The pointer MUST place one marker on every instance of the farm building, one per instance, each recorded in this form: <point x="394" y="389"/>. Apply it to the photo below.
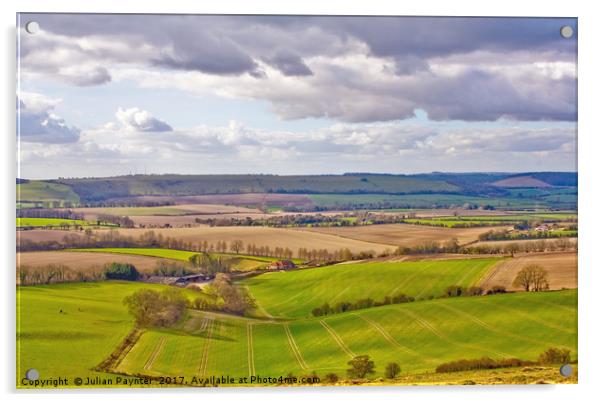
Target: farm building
<point x="180" y="280"/>
<point x="282" y="264"/>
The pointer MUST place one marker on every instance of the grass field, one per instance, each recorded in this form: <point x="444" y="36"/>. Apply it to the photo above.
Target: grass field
<point x="51" y="222"/>
<point x="296" y="293"/>
<point x="417" y="336"/>
<point x="44" y="193"/>
<point x="92" y="323"/>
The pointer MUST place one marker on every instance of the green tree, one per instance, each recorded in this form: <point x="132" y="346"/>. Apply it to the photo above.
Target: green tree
<point x="153" y="308"/>
<point x="361" y="366"/>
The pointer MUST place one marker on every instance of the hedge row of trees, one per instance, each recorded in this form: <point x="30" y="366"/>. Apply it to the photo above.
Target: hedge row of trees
<point x="561" y="244"/>
<point x="344" y="306"/>
<point x="493" y="235"/>
<point x="58" y="273"/>
<point x="549" y="356"/>
<point x="48" y="213"/>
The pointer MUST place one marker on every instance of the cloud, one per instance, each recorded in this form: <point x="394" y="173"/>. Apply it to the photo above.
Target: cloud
<point x="135" y="119"/>
<point x="353" y="69"/>
<point x="38" y="123"/>
<point x="289" y="63"/>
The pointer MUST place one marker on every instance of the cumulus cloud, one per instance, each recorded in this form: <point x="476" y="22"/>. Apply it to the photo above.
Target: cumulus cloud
<point x="135" y="119"/>
<point x="354" y="69"/>
<point x="37" y="122"/>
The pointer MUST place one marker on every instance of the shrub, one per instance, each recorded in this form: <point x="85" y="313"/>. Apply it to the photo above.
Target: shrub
<point x="361" y="366"/>
<point x="331" y="378"/>
<point x="392" y="370"/>
<point x="496" y="289"/>
<point x="454" y="291"/>
<point x="480" y="364"/>
<point x="118" y="270"/>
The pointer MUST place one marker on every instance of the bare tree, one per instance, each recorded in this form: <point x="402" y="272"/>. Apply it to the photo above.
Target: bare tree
<point x="532" y="278"/>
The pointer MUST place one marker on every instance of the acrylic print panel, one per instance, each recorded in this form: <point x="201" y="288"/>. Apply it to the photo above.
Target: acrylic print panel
<point x="208" y="200"/>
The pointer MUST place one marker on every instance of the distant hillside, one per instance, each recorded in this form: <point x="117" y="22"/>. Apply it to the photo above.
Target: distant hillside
<point x="521" y="182"/>
<point x="97" y="189"/>
<point x="551" y="189"/>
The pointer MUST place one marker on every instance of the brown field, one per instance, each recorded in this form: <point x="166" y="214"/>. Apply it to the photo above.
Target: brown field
<point x="81" y="260"/>
<point x="401" y="234"/>
<point x="561" y="267"/>
<point x="260" y="236"/>
<point x="38" y="235"/>
<point x="264" y="236"/>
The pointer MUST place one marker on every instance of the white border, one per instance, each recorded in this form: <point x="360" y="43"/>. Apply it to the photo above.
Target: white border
<point x="590" y="278"/>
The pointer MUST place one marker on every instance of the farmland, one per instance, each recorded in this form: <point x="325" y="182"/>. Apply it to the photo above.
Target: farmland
<point x="417" y="335"/>
<point x="295" y="294"/>
<point x="51" y="222"/>
<point x="79" y="260"/>
<point x="242" y="261"/>
<point x="39" y="193"/>
<point x="402" y="234"/>
<point x="67" y="329"/>
<point x="561" y="267"/>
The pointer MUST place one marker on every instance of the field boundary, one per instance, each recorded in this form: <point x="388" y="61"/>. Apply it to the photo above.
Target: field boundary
<point x="115" y="359"/>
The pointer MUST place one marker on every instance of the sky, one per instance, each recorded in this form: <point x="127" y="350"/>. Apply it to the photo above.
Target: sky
<point x="105" y="95"/>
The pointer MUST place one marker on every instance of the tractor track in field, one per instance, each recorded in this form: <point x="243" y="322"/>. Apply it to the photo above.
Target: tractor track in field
<point x="295" y="348"/>
<point x="490" y="328"/>
<point x="210" y="325"/>
<point x="428" y="326"/>
<point x="337" y="339"/>
<point x="393" y="341"/>
<point x="156" y="352"/>
<point x="250" y="357"/>
<point x="527" y="317"/>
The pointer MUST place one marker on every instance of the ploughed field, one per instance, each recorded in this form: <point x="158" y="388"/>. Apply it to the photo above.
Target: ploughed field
<point x="402" y="234"/>
<point x="418" y="336"/>
<point x="561" y="267"/>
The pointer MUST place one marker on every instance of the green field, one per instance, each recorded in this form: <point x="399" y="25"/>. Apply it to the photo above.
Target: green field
<point x="92" y="323"/>
<point x="296" y="293"/>
<point x="45" y="194"/>
<point x="51" y="222"/>
<point x="418" y="336"/>
<point x="491" y="220"/>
